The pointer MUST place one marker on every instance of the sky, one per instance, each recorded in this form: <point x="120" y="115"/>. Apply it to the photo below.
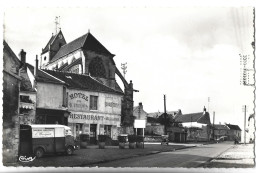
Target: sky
<point x="188" y="53"/>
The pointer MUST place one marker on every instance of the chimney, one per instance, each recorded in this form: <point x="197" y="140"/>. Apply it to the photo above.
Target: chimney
<point x="140" y="105"/>
<point x="22" y="56"/>
<point x="204" y="109"/>
<point x="36" y="66"/>
<point x="219" y="123"/>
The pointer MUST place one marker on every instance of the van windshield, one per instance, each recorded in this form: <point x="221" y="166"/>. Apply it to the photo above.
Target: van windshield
<point x="68" y="132"/>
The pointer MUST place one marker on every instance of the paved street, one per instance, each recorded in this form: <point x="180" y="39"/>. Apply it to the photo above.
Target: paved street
<point x="92" y="155"/>
<point x="188" y="158"/>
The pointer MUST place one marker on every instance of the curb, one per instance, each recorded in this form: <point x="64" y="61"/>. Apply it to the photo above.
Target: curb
<point x="133" y="156"/>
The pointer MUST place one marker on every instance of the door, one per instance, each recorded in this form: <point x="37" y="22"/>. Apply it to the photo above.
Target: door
<point x="25" y="140"/>
<point x="93" y="133"/>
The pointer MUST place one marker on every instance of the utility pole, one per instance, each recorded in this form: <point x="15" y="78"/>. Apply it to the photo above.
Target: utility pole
<point x="208" y="103"/>
<point x="213" y="125"/>
<point x="124" y="67"/>
<point x="165" y="114"/>
<point x="244" y="109"/>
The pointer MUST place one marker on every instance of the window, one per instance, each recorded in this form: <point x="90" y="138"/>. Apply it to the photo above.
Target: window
<point x="65" y="97"/>
<point x="107" y="130"/>
<point x="75" y="69"/>
<point x="45" y="58"/>
<point x="26" y="99"/>
<point x="93" y="103"/>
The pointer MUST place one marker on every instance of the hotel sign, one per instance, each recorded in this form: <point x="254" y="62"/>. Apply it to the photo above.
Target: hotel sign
<point x="78" y="100"/>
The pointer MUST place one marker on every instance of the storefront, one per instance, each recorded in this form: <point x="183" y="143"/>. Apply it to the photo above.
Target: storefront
<point x="94" y="114"/>
<point x="94" y="124"/>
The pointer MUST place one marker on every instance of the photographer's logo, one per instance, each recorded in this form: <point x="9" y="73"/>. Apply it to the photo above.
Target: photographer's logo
<point x="25" y="159"/>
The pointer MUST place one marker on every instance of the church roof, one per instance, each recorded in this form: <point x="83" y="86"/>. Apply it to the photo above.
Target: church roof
<point x="46" y="49"/>
<point x="88" y="41"/>
<point x="43" y="76"/>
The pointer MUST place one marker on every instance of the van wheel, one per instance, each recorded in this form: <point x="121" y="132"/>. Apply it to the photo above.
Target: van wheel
<point x="69" y="151"/>
<point x="39" y="152"/>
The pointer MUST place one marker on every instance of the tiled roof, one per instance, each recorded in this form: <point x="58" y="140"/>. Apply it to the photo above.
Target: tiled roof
<point x="87" y="41"/>
<point x="157" y="114"/>
<point x="152" y="120"/>
<point x="78" y="81"/>
<point x="220" y="127"/>
<point x="194" y="117"/>
<point x="8" y="48"/>
<point x="233" y="127"/>
<point x="43" y="76"/>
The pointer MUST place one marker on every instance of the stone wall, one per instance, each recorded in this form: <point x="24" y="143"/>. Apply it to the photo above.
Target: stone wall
<point x="10" y="119"/>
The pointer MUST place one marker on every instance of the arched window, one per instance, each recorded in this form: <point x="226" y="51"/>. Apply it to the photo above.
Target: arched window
<point x="96" y="68"/>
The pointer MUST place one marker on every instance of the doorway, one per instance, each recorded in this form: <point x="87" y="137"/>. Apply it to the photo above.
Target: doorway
<point x="93" y="134"/>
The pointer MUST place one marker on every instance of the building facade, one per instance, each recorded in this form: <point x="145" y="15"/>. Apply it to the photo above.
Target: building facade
<point x="11" y="87"/>
<point x="197" y="125"/>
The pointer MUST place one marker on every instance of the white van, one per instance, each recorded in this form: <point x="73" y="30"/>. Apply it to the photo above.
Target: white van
<point x="47" y="138"/>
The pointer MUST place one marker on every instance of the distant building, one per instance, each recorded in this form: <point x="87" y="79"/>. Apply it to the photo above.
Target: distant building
<point x="11" y="89"/>
<point x="234" y="132"/>
<point x="140" y="114"/>
<point x="197" y="125"/>
<point x="27" y="93"/>
<point x="220" y="132"/>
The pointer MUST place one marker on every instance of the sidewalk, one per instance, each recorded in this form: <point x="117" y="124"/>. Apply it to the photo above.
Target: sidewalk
<point x="93" y="155"/>
<point x="238" y="156"/>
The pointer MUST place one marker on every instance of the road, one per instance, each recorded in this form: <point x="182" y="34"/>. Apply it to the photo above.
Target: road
<point x="188" y="158"/>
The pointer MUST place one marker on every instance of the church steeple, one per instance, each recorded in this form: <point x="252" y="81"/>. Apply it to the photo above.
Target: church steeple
<point x="56" y="41"/>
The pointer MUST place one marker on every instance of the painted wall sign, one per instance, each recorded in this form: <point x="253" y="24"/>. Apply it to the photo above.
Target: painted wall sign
<point x="112" y="104"/>
<point x="78" y="95"/>
<point x="78" y="100"/>
<point x="94" y="118"/>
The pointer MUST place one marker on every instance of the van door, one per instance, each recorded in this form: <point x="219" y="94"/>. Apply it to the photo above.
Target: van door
<point x="44" y="138"/>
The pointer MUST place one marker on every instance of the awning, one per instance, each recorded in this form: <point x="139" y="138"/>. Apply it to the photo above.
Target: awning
<point x="26" y="105"/>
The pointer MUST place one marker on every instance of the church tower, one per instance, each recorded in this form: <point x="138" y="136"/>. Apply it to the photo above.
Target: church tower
<point x="51" y="49"/>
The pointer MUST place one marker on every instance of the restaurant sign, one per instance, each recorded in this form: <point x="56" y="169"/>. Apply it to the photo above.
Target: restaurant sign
<point x="94" y="118"/>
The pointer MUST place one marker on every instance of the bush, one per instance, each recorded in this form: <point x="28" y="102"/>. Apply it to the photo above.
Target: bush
<point x="102" y="138"/>
<point x="132" y="138"/>
<point x="122" y="139"/>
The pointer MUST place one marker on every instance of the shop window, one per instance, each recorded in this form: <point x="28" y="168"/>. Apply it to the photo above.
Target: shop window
<point x="93" y="103"/>
<point x="107" y="130"/>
